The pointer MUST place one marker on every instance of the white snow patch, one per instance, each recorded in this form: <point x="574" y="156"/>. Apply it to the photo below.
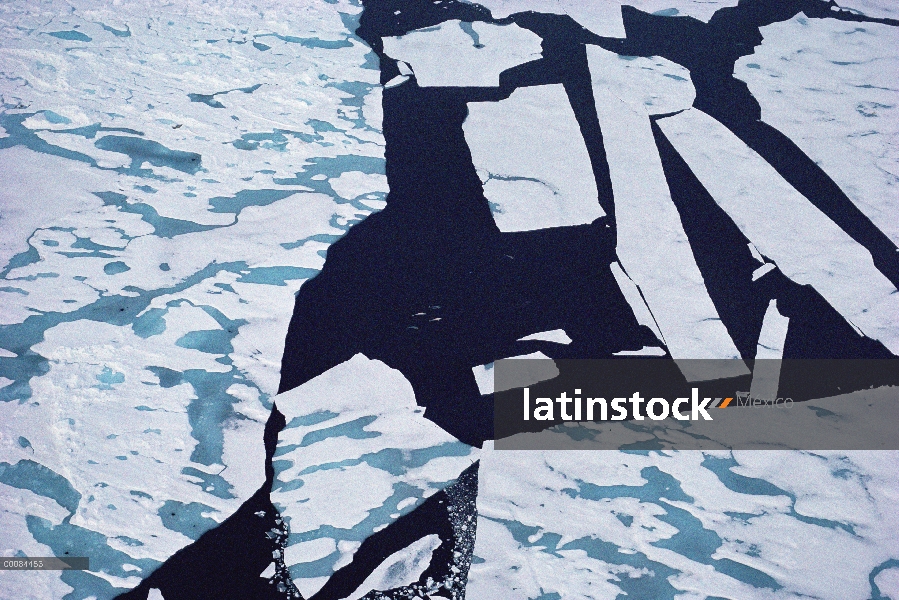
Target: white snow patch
<point x="653" y="84"/>
<point x="352" y="184"/>
<point x="30" y="199"/>
<point x="872" y="8"/>
<point x="888" y="583"/>
<point x="310" y="551"/>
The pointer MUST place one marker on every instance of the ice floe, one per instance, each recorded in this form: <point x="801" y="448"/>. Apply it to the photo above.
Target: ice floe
<point x="830" y="86"/>
<point x="448" y="55"/>
<point x="532" y="160"/>
<point x="401" y="568"/>
<point x="653" y="248"/>
<point x="682" y="523"/>
<point x="357" y="452"/>
<point x="807" y="246"/>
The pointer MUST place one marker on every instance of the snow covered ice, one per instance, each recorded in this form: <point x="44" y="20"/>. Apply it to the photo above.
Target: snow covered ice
<point x="172" y="176"/>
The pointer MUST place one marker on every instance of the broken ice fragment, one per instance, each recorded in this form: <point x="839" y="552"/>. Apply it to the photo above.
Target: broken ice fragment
<point x="444" y="55"/>
<point x="805" y="244"/>
<point x="531" y="148"/>
<point x="652" y="245"/>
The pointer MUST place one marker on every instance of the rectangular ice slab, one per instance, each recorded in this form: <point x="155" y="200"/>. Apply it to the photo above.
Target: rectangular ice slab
<point x="652" y="246"/>
<point x="808" y="247"/>
<point x="460" y="54"/>
<point x="766" y="373"/>
<point x="529" y="153"/>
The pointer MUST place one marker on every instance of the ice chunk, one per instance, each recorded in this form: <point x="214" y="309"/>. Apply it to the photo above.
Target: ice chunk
<point x="401" y="568"/>
<point x="653" y="84"/>
<point x="761" y="271"/>
<point x="396" y="81"/>
<point x="538" y="170"/>
<point x="269" y="571"/>
<point x="644" y="351"/>
<point x="766" y="371"/>
<point x="774" y="333"/>
<point x="653" y="248"/>
<point x="556" y="335"/>
<point x="446" y="55"/>
<point x="807" y="247"/>
<point x="698" y="9"/>
<point x="483" y="376"/>
<point x="523" y="373"/>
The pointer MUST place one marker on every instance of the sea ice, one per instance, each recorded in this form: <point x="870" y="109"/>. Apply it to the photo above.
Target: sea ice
<point x="141" y="288"/>
<point x="649" y="84"/>
<point x="653" y="248"/>
<point x="355" y="433"/>
<point x="352" y="184"/>
<point x="698" y="9"/>
<point x="401" y="568"/>
<point x="29" y="199"/>
<point x="766" y="370"/>
<point x="830" y="86"/>
<point x="807" y="246"/>
<point x="557" y="336"/>
<point x="682" y="523"/>
<point x="533" y="160"/>
<point x="446" y="55"/>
